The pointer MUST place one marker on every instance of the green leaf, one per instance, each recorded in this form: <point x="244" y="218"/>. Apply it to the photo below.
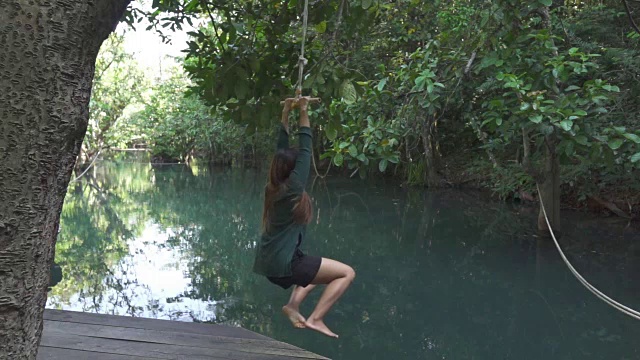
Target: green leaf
<point x="325" y="155"/>
<point x="537" y="119"/>
<point x="566" y="125"/>
<point x="366" y="4"/>
<point x="382" y="83"/>
<point x="338" y="159"/>
<point x="581" y="139"/>
<point x="348" y="92"/>
<point x="485" y="19"/>
<point x="241" y="90"/>
<point x="332" y="133"/>
<point x="254" y="63"/>
<point x="192" y="5"/>
<point x="496" y="103"/>
<point x="580" y="113"/>
<point x="353" y="150"/>
<point x="615" y="144"/>
<point x="569" y="149"/>
<point x="635" y="158"/>
<point x="382" y="166"/>
<point x="361" y="157"/>
<point x="633" y="137"/>
<point x="343" y="145"/>
<point x="611" y="88"/>
<point x="572" y="88"/>
<point x="498" y="121"/>
<point x="321" y="27"/>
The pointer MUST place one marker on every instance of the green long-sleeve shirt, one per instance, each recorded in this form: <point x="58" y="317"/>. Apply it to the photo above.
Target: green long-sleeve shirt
<point x="277" y="245"/>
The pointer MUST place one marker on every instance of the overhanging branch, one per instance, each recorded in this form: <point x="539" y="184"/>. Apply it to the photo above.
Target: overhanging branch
<point x="205" y="5"/>
<point x="631" y="21"/>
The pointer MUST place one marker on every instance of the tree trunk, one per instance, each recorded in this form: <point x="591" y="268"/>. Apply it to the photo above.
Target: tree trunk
<point x="47" y="61"/>
<point x="550" y="188"/>
<point x="429" y="153"/>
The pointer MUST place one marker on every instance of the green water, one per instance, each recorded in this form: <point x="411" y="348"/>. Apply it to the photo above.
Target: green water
<point x="440" y="275"/>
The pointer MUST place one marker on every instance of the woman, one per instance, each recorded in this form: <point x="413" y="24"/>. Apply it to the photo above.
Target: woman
<point x="287" y="211"/>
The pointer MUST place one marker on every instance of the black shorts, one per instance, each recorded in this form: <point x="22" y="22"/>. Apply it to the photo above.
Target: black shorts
<point x="303" y="270"/>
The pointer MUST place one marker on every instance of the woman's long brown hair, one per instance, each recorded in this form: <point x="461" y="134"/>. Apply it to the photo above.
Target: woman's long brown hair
<point x="281" y="167"/>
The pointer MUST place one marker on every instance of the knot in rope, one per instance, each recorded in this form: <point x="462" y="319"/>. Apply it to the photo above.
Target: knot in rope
<point x="302" y="61"/>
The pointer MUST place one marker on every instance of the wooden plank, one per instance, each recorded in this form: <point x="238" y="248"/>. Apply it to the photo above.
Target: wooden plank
<point x="49" y="353"/>
<point x="177" y="338"/>
<point x="153" y="350"/>
<point x="164" y="337"/>
<point x="152" y="324"/>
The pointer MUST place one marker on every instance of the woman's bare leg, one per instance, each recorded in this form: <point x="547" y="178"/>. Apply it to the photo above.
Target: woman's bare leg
<point x="292" y="309"/>
<point x="338" y="277"/>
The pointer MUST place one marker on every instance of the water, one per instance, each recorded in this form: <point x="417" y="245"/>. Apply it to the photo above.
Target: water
<point x="440" y="275"/>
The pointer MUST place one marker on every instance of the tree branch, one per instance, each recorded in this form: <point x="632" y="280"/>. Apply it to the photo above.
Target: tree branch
<point x="205" y="5"/>
<point x="339" y="21"/>
<point x="631" y="21"/>
<point x="116" y="55"/>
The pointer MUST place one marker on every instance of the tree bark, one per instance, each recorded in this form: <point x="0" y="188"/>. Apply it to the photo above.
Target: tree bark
<point x="550" y="187"/>
<point x="47" y="59"/>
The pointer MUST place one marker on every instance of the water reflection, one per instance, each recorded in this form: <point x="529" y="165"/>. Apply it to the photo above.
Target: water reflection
<point x="444" y="275"/>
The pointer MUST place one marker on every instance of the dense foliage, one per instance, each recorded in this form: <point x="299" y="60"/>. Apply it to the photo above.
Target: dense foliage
<point x="131" y="109"/>
<point x="177" y="127"/>
<point x="505" y="94"/>
<point x="118" y="85"/>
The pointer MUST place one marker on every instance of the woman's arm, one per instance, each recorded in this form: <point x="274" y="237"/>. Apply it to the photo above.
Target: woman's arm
<point x="300" y="174"/>
<point x="303" y="103"/>
<point x="283" y="132"/>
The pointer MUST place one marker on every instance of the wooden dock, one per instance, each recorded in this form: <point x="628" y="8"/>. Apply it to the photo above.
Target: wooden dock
<point x="73" y="335"/>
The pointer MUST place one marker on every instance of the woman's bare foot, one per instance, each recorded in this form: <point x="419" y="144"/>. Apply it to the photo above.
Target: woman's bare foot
<point x="318" y="325"/>
<point x="297" y="320"/>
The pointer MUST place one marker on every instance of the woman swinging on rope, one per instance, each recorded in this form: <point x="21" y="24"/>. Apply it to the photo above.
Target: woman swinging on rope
<point x="287" y="211"/>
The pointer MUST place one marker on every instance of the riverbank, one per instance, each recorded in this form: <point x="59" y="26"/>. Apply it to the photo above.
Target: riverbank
<point x="605" y="196"/>
<point x="582" y="189"/>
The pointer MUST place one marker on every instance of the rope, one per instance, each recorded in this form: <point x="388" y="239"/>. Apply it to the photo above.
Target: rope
<point x="315" y="167"/>
<point x="88" y="167"/>
<point x="622" y="308"/>
<point x="301" y="60"/>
